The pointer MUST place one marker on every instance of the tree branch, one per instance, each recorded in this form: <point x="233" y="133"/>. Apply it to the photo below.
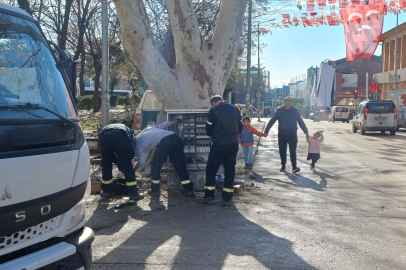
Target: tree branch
<point x="226" y="39"/>
<point x="185" y="28"/>
<point x="137" y="42"/>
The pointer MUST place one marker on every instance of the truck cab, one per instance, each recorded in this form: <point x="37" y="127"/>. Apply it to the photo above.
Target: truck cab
<point x="44" y="157"/>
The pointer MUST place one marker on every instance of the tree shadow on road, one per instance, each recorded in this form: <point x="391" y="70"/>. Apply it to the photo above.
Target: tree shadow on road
<point x="197" y="236"/>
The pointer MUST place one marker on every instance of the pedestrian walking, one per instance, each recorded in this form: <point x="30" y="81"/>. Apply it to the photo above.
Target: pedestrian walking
<point x="247" y="141"/>
<point x="314" y="148"/>
<point x="244" y="111"/>
<point x="224" y="126"/>
<point x="288" y="117"/>
<point x="239" y="108"/>
<point x="117" y="146"/>
<point x="166" y="143"/>
<point x="252" y="111"/>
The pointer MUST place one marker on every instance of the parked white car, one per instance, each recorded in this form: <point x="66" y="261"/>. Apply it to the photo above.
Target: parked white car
<point x="375" y="116"/>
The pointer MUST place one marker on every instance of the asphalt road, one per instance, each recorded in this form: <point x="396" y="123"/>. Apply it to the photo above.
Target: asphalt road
<point x="349" y="215"/>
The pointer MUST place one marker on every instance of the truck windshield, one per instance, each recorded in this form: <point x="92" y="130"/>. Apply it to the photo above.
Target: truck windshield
<point x="380" y="108"/>
<point x="29" y="74"/>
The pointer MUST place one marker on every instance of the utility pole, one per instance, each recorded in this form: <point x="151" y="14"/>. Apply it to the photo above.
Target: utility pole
<point x="248" y="96"/>
<point x="259" y="80"/>
<point x="367" y="78"/>
<point x="105" y="65"/>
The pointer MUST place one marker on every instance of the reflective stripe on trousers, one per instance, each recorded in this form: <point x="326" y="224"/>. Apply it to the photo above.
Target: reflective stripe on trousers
<point x="157" y="182"/>
<point x="130" y="184"/>
<point x="106" y="182"/>
<point x="210" y="187"/>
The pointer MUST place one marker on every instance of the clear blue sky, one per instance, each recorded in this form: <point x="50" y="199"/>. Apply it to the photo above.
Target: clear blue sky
<point x="290" y="52"/>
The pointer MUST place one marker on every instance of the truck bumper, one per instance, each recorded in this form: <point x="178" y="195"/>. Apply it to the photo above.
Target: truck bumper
<point x="74" y="252"/>
<point x="380" y="128"/>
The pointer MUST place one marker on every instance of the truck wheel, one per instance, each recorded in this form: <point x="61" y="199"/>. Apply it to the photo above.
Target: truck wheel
<point x="362" y="131"/>
<point x="393" y="132"/>
<point x="343" y="121"/>
<point x="383" y="131"/>
<point x="354" y="129"/>
<point x="397" y="128"/>
<point x="348" y="121"/>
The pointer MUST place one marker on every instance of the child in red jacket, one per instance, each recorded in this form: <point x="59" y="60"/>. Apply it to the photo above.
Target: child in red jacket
<point x="247" y="141"/>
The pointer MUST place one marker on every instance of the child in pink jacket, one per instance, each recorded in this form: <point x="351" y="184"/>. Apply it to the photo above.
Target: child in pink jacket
<point x="314" y="148"/>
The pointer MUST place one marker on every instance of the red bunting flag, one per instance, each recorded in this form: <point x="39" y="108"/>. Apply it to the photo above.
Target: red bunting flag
<point x="355" y="2"/>
<point x="286" y="26"/>
<point x="313" y="13"/>
<point x="363" y="30"/>
<point x="263" y="30"/>
<point x="343" y="3"/>
<point x="286" y="16"/>
<point x="402" y="4"/>
<point x="331" y="2"/>
<point x="321" y="4"/>
<point x="331" y="21"/>
<point x="310" y="5"/>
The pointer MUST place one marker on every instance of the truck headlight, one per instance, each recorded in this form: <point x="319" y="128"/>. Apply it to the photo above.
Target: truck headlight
<point x="78" y="213"/>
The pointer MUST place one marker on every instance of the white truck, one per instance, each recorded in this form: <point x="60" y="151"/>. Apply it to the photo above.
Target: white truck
<point x="399" y="98"/>
<point x="44" y="157"/>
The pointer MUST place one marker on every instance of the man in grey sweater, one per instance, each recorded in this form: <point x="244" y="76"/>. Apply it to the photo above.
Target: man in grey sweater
<point x="288" y="117"/>
<point x="166" y="143"/>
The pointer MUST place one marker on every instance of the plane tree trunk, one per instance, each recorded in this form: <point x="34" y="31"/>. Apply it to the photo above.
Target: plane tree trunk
<point x="202" y="67"/>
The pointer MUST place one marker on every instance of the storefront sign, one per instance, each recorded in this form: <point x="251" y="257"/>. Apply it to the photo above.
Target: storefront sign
<point x="392" y="77"/>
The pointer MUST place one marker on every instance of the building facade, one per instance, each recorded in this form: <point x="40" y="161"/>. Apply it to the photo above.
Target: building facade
<point x="386" y="77"/>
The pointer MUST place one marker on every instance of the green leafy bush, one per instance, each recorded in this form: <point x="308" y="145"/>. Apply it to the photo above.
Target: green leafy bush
<point x="126" y="118"/>
<point x="124" y="100"/>
<point x="85" y="102"/>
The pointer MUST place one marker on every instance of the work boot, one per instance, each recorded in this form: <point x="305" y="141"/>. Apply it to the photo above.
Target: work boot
<point x="105" y="195"/>
<point x="136" y="196"/>
<point x="209" y="201"/>
<point x="282" y="169"/>
<point x="187" y="191"/>
<point x="226" y="203"/>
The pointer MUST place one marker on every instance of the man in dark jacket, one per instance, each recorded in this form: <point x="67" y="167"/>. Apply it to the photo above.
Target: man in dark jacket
<point x="288" y="118"/>
<point x="117" y="146"/>
<point x="224" y="126"/>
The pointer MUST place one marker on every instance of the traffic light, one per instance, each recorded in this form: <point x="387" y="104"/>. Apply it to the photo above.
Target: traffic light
<point x="355" y="93"/>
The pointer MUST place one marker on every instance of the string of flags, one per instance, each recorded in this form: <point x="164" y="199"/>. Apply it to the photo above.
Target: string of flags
<point x="332" y="17"/>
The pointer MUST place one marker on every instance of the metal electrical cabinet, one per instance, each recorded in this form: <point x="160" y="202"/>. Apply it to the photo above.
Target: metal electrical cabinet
<point x="196" y="146"/>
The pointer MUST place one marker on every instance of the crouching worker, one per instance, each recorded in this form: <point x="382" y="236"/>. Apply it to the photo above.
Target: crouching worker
<point x="166" y="143"/>
<point x="117" y="146"/>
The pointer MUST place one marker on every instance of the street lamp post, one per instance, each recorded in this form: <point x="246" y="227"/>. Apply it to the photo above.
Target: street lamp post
<point x="105" y="65"/>
<point x="249" y="47"/>
<point x="259" y="80"/>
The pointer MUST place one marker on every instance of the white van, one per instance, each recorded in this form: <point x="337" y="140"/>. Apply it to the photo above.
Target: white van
<point x="339" y="113"/>
<point x="375" y="116"/>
